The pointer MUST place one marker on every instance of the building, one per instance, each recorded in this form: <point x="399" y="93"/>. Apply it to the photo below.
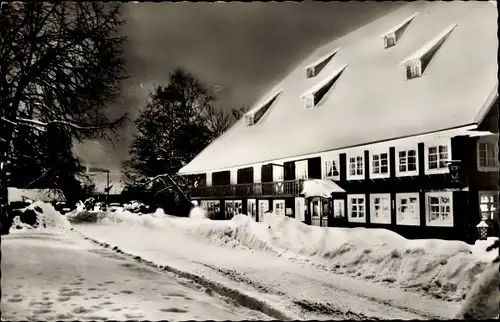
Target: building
<point x="399" y="118"/>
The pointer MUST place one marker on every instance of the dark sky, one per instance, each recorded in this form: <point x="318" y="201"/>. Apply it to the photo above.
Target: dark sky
<point x="242" y="47"/>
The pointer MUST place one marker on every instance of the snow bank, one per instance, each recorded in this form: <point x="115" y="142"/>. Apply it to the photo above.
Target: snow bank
<point x="198" y="213"/>
<point x="46" y="217"/>
<point x="442" y="268"/>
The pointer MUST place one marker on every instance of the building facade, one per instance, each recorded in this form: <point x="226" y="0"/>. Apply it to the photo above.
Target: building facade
<point x="401" y="115"/>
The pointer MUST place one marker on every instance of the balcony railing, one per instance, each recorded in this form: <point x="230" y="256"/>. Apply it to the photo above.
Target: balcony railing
<point x="289" y="188"/>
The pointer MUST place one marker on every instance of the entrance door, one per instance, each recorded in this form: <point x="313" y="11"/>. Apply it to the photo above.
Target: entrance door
<point x="315" y="211"/>
<point x="252" y="208"/>
<point x="279" y="207"/>
<point x="263" y="208"/>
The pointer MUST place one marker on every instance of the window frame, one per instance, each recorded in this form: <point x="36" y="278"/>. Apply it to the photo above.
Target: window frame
<point x="387" y="218"/>
<point x="350" y="217"/>
<point x="280" y="202"/>
<point x="387" y="44"/>
<point x="491" y="212"/>
<point x="437" y="144"/>
<point x="413" y="68"/>
<point x="397" y="158"/>
<point x="309" y="101"/>
<point x="407" y="222"/>
<point x="334" y="161"/>
<point x="301" y="164"/>
<point x="439" y="223"/>
<point x="489" y="139"/>
<point x="372" y="165"/>
<point x="356" y="157"/>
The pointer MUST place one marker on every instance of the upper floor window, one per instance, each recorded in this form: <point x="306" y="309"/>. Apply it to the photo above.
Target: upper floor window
<point x="390" y="41"/>
<point x="356" y="166"/>
<point x="487" y="153"/>
<point x="437" y="157"/>
<point x="413" y="69"/>
<point x="488" y="205"/>
<point x="331" y="169"/>
<point x="380" y="164"/>
<point x="439" y="209"/>
<point x="301" y="170"/>
<point x="407" y="162"/>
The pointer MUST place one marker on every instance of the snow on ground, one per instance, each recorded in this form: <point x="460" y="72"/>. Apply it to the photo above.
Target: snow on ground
<point x="326" y="272"/>
<point x="57" y="275"/>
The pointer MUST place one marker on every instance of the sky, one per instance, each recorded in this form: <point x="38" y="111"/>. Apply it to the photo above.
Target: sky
<point x="241" y="49"/>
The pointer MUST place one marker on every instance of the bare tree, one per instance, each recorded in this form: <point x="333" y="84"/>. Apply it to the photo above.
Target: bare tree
<point x="60" y="64"/>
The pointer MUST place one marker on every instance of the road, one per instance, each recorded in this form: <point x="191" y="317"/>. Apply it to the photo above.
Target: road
<point x="280" y="287"/>
<point x="52" y="276"/>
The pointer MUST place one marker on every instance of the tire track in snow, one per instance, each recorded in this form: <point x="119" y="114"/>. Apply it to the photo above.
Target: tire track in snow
<point x="238" y="296"/>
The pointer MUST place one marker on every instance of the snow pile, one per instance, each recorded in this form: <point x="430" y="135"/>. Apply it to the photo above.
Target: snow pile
<point x="45" y="217"/>
<point x="198" y="213"/>
<point x="445" y="269"/>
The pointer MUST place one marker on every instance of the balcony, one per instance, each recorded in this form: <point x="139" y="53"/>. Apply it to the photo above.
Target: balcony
<point x="289" y="188"/>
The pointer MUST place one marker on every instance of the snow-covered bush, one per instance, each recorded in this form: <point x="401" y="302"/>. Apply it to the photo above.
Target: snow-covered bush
<point x="39" y="215"/>
<point x="198" y="213"/>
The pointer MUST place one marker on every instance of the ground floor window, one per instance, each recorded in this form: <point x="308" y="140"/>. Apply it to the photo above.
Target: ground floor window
<point x="252" y="208"/>
<point x="211" y="206"/>
<point x="356" y="208"/>
<point x="263" y="208"/>
<point x="233" y="207"/>
<point x="338" y="208"/>
<point x="380" y="211"/>
<point x="439" y="209"/>
<point x="488" y="205"/>
<point x="408" y="209"/>
<point x="279" y="207"/>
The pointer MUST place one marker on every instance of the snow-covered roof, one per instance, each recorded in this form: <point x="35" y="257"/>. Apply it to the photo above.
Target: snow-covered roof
<point x="322" y="58"/>
<point x="46" y="195"/>
<point x="373" y="101"/>
<point x="399" y="25"/>
<point x="324" y="81"/>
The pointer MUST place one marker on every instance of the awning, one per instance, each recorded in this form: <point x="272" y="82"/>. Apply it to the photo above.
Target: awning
<point x="320" y="188"/>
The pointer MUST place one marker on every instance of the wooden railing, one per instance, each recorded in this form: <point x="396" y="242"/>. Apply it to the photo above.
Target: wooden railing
<point x="289" y="188"/>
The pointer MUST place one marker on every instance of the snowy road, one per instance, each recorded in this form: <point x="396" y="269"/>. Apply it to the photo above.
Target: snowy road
<point x="292" y="289"/>
<point x="57" y="276"/>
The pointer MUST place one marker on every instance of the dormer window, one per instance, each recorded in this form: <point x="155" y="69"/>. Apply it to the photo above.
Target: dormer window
<point x="413" y="69"/>
<point x="391" y="37"/>
<point x="315" y="68"/>
<point x="255" y="114"/>
<point x="313" y="96"/>
<point x="416" y="64"/>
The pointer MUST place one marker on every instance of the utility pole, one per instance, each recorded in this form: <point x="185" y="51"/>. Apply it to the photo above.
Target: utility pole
<point x="107" y="190"/>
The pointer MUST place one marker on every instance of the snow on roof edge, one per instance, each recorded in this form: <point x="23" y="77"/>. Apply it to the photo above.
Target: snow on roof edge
<point x="322" y="58"/>
<point x="430" y="44"/>
<point x="264" y="102"/>
<point x="399" y="25"/>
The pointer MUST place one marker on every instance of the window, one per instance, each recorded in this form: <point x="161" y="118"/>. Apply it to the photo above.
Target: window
<point x="233" y="207"/>
<point x="300" y="208"/>
<point x="310" y="72"/>
<point x="338" y="208"/>
<point x="413" y="70"/>
<point x="488" y="205"/>
<point x="380" y="164"/>
<point x="356" y="208"/>
<point x="309" y="101"/>
<point x="278" y="172"/>
<point x="408" y="209"/>
<point x="407" y="161"/>
<point x="439" y="209"/>
<point x="254" y="115"/>
<point x="263" y="208"/>
<point x="390" y="41"/>
<point x="252" y="208"/>
<point x="487" y="153"/>
<point x="313" y="96"/>
<point x="279" y="207"/>
<point x="356" y="166"/>
<point x="212" y="207"/>
<point x="301" y="170"/>
<point x="331" y="169"/>
<point x="380" y="212"/>
<point x="437" y="157"/>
